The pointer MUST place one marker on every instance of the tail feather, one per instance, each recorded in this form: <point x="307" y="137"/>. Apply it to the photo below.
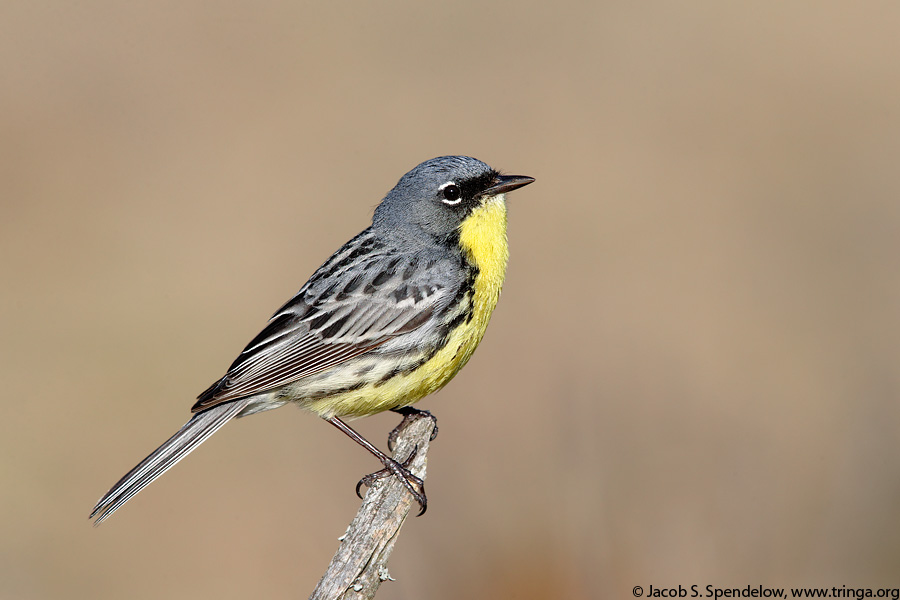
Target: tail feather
<point x="192" y="434"/>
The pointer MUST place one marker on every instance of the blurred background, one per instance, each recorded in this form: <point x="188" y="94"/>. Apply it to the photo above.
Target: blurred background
<point x="692" y="376"/>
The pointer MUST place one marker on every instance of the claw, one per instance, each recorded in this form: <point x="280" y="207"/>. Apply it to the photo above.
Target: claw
<point x="413" y="484"/>
<point x="409" y="415"/>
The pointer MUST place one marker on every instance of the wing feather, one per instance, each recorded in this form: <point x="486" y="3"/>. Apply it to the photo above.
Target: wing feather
<point x="330" y="322"/>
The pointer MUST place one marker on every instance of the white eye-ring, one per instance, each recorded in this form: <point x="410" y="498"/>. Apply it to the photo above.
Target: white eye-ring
<point x="451" y="194"/>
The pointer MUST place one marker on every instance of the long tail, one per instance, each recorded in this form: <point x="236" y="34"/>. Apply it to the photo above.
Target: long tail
<point x="201" y="426"/>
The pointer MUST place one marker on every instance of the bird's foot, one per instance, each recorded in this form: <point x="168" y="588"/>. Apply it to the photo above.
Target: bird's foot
<point x="410" y="414"/>
<point x="413" y="484"/>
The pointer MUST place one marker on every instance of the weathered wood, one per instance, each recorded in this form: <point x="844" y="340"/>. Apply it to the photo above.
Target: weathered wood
<point x="360" y="564"/>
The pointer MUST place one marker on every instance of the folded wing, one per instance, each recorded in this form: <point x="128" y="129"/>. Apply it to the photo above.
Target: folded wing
<point x="335" y="317"/>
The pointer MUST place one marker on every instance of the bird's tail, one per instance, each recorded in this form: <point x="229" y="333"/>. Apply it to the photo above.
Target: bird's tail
<point x="201" y="426"/>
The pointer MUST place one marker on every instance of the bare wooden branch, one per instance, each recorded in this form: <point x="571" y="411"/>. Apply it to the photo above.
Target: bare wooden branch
<point x="360" y="564"/>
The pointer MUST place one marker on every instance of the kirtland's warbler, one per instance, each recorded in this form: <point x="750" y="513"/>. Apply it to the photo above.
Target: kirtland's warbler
<point x="391" y="317"/>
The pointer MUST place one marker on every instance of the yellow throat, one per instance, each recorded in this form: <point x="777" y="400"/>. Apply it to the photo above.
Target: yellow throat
<point x="483" y="237"/>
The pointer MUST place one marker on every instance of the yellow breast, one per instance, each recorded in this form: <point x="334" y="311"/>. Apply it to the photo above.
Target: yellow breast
<point x="483" y="239"/>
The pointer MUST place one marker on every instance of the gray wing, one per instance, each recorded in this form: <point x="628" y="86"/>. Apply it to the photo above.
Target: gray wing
<point x="343" y="311"/>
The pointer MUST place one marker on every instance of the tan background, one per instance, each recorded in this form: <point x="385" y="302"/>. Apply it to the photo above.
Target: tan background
<point x="694" y="363"/>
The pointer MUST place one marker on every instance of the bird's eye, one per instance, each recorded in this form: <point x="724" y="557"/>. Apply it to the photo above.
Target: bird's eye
<point x="451" y="193"/>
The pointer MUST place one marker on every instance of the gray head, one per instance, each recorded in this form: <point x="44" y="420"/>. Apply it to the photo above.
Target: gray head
<point x="436" y="196"/>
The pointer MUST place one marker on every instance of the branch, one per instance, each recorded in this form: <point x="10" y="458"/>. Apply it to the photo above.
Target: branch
<point x="360" y="564"/>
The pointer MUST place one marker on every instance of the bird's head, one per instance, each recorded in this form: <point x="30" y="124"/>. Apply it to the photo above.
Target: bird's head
<point x="437" y="196"/>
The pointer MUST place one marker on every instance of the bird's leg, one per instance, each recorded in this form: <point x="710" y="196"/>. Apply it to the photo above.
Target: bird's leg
<point x="409" y="415"/>
<point x="413" y="484"/>
<point x="401" y="470"/>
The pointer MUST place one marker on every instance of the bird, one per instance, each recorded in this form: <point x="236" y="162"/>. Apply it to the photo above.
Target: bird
<point x="389" y="318"/>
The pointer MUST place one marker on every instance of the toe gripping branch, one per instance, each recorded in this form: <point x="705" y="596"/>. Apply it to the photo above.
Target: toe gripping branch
<point x="414" y="484"/>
